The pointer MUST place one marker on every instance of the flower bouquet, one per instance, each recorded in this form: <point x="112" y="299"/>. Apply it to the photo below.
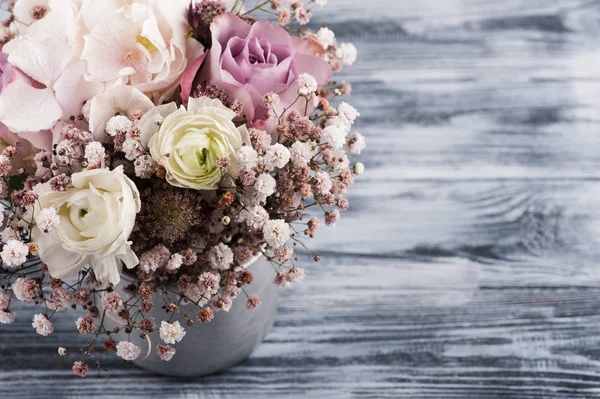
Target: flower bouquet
<point x="153" y="150"/>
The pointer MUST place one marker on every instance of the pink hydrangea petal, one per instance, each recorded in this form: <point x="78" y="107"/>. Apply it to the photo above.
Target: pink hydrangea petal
<point x="41" y="140"/>
<point x="42" y="60"/>
<point x="72" y="90"/>
<point x="26" y="152"/>
<point x="107" y="46"/>
<point x="24" y="108"/>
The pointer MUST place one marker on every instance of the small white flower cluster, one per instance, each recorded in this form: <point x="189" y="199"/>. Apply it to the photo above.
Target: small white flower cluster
<point x="95" y="154"/>
<point x="277" y="156"/>
<point x="128" y="351"/>
<point x="119" y="124"/>
<point x="307" y="85"/>
<point x="42" y="325"/>
<point x="277" y="233"/>
<point x="48" y="220"/>
<point x="171" y="333"/>
<point x="14" y="253"/>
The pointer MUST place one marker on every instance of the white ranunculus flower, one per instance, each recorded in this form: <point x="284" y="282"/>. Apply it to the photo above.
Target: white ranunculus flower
<point x="97" y="216"/>
<point x="189" y="143"/>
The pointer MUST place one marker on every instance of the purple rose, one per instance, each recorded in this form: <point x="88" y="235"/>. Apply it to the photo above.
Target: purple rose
<point x="249" y="61"/>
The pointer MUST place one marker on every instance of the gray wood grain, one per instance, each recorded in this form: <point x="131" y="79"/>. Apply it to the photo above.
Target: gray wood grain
<point x="467" y="266"/>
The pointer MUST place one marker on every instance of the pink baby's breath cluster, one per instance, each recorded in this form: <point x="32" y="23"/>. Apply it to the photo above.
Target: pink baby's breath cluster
<point x="178" y="171"/>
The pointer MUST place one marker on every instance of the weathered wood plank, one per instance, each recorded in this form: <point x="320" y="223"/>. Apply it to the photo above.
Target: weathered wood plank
<point x="420" y="321"/>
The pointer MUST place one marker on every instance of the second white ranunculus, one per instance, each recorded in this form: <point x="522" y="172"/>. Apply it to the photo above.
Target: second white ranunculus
<point x="190" y="143"/>
<point x="96" y="217"/>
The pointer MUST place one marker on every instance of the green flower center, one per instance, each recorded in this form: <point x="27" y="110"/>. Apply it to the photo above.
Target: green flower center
<point x="202" y="155"/>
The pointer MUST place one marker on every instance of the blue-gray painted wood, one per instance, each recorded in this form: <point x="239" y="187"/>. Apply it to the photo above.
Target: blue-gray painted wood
<point x="469" y="263"/>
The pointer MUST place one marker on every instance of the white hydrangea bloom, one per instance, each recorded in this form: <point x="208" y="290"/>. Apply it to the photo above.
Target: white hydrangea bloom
<point x="307" y="84"/>
<point x="277" y="156"/>
<point x="48" y="220"/>
<point x="14" y="253"/>
<point x="171" y="333"/>
<point x="119" y="124"/>
<point x="276" y="232"/>
<point x="128" y="351"/>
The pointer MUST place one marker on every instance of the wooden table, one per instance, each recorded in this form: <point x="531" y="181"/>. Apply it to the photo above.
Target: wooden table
<point x="468" y="266"/>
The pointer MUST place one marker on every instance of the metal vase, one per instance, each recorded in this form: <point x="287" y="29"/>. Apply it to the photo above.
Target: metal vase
<point x="227" y="340"/>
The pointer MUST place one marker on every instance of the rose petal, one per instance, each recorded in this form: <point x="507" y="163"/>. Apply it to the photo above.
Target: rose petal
<point x="187" y="80"/>
<point x="271" y="32"/>
<point x="229" y="25"/>
<point x="320" y="69"/>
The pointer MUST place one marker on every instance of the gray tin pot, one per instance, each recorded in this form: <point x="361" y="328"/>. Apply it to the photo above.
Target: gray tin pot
<point x="212" y="347"/>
